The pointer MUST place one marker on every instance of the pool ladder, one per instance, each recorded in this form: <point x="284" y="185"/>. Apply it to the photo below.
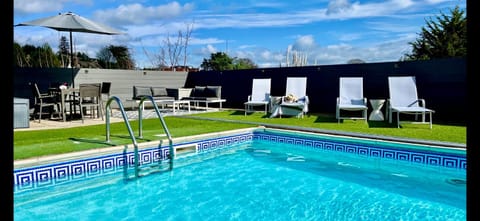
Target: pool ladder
<point x="140" y="125"/>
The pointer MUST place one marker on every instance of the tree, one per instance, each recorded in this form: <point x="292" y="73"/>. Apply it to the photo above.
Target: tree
<point x="355" y="61"/>
<point x="186" y="40"/>
<point x="115" y="57"/>
<point x="122" y="56"/>
<point x="64" y="50"/>
<point x="82" y="56"/>
<point x="219" y="61"/>
<point x="31" y="56"/>
<point x="243" y="63"/>
<point x="105" y="57"/>
<point x="47" y="57"/>
<point x="444" y="38"/>
<point x="172" y="49"/>
<point x="18" y="55"/>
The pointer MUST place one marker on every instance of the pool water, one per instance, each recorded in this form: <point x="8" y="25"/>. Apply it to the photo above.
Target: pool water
<point x="260" y="180"/>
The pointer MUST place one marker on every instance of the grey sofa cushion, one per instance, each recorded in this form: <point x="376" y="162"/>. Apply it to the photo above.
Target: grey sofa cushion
<point x="159" y="91"/>
<point x="205" y="93"/>
<point x="139" y="91"/>
<point x="213" y="91"/>
<point x="198" y="91"/>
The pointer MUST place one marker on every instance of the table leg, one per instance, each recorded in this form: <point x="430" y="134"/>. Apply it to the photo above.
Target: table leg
<point x="63" y="107"/>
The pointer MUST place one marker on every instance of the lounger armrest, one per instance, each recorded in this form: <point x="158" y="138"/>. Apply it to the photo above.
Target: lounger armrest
<point x="307" y="100"/>
<point x="421" y="102"/>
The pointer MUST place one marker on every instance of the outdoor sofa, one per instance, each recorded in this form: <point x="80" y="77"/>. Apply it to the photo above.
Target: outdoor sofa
<point x="159" y="94"/>
<point x="205" y="95"/>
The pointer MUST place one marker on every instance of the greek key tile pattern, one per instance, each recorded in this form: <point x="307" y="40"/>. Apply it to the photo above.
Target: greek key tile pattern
<point x="450" y="160"/>
<point x="217" y="143"/>
<point x="45" y="175"/>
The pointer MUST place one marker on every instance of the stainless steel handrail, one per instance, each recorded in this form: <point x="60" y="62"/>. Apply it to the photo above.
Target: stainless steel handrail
<point x="127" y="123"/>
<point x="130" y="131"/>
<point x="162" y="121"/>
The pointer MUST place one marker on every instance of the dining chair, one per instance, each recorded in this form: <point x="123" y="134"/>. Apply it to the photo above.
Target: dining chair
<point x="105" y="95"/>
<point x="90" y="98"/>
<point x="44" y="101"/>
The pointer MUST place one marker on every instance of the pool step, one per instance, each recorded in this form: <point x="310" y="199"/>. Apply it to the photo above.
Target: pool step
<point x="154" y="168"/>
<point x="185" y="150"/>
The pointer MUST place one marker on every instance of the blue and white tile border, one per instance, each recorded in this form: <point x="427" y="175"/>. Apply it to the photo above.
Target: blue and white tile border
<point x="455" y="159"/>
<point x="57" y="173"/>
<point x="63" y="172"/>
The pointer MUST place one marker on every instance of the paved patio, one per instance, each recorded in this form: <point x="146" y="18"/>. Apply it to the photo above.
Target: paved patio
<point x="115" y="117"/>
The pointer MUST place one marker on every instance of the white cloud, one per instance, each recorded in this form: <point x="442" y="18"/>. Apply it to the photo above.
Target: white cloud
<point x="304" y="43"/>
<point x="392" y="27"/>
<point x="349" y="36"/>
<point x="436" y="1"/>
<point x="140" y="14"/>
<point x="202" y="41"/>
<point x="146" y="23"/>
<point x="36" y="6"/>
<point x="342" y="9"/>
<point x="25" y="7"/>
<point x="266" y="55"/>
<point x="246" y="46"/>
<point x="391" y="50"/>
<point x="338" y="6"/>
<point x="209" y="49"/>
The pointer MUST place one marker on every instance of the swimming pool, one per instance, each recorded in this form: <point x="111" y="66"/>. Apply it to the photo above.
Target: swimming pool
<point x="257" y="175"/>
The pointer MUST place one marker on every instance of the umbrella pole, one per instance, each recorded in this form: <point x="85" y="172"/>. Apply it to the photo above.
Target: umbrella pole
<point x="71" y="60"/>
<point x="73" y="74"/>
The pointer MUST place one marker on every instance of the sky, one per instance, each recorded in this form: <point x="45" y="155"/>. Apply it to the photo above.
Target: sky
<point x="268" y="32"/>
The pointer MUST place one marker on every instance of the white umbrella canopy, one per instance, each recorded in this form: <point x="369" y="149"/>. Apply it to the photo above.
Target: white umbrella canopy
<point x="71" y="22"/>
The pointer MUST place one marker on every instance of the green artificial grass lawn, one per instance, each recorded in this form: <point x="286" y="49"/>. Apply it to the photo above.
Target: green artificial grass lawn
<point x="439" y="132"/>
<point x="29" y="144"/>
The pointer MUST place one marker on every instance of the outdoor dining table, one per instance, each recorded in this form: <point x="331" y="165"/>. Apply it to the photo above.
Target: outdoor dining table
<point x="68" y="95"/>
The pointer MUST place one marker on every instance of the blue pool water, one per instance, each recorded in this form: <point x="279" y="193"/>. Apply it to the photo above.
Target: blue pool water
<point x="260" y="180"/>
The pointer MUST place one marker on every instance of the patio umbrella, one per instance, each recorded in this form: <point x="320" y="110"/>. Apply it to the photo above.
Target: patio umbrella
<point x="71" y="22"/>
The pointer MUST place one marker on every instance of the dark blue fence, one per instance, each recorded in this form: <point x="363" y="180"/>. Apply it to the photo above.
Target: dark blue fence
<point x="441" y="82"/>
